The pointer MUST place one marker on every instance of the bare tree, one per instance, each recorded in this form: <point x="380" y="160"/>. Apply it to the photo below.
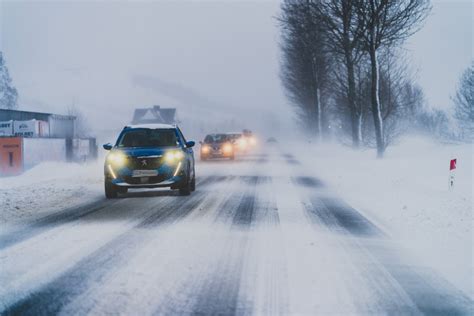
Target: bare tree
<point x="305" y="64"/>
<point x="386" y="23"/>
<point x="434" y="122"/>
<point x="464" y="104"/>
<point x="8" y="93"/>
<point x="344" y="31"/>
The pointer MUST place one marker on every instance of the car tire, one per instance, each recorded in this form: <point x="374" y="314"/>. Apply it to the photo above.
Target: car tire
<point x="193" y="184"/>
<point x="232" y="157"/>
<point x="185" y="189"/>
<point x="111" y="191"/>
<point x="203" y="158"/>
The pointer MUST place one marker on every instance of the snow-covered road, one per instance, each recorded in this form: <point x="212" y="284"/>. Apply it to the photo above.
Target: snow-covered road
<point x="259" y="236"/>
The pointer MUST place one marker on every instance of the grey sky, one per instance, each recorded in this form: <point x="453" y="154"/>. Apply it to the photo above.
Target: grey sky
<point x="222" y="54"/>
<point x="443" y="49"/>
<point x="90" y="52"/>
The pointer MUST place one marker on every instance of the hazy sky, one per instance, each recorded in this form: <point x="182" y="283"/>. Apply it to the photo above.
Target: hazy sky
<point x="110" y="57"/>
<point x="443" y="49"/>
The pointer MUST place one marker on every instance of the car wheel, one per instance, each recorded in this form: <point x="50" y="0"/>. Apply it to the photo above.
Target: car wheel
<point x="111" y="191"/>
<point x="203" y="158"/>
<point x="193" y="184"/>
<point x="185" y="189"/>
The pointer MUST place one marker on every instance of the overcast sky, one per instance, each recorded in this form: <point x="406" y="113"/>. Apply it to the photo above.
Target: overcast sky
<point x="110" y="57"/>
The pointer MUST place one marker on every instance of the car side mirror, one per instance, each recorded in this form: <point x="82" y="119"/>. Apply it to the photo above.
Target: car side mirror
<point x="190" y="144"/>
<point x="107" y="146"/>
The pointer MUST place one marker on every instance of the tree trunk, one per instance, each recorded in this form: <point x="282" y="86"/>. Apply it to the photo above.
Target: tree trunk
<point x="359" y="127"/>
<point x="351" y="96"/>
<point x="317" y="105"/>
<point x="319" y="114"/>
<point x="375" y="100"/>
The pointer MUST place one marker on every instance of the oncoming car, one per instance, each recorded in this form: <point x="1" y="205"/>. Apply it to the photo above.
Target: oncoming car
<point x="149" y="156"/>
<point x="238" y="141"/>
<point x="250" y="138"/>
<point x="217" y="146"/>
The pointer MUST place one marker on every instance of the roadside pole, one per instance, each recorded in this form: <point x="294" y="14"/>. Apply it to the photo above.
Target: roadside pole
<point x="452" y="172"/>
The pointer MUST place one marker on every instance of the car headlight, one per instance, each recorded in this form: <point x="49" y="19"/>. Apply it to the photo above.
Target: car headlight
<point x="205" y="149"/>
<point x="227" y="148"/>
<point x="253" y="141"/>
<point x="117" y="159"/>
<point x="242" y="143"/>
<point x="173" y="156"/>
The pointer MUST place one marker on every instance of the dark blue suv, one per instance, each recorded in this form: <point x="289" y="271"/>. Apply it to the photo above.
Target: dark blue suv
<point x="149" y="156"/>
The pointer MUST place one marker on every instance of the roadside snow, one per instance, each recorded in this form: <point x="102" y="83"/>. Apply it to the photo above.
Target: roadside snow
<point x="407" y="193"/>
<point x="46" y="188"/>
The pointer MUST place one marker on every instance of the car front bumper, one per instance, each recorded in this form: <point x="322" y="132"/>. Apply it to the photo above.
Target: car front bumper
<point x="217" y="154"/>
<point x="164" y="184"/>
<point x="166" y="176"/>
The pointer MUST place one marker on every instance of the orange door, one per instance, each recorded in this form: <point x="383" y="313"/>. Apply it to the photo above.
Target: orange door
<point x="11" y="156"/>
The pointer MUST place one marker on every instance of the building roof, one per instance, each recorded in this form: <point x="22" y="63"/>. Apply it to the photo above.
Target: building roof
<point x="155" y="114"/>
<point x="6" y="115"/>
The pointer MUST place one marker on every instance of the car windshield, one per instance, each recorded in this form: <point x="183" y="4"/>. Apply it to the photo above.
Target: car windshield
<point x="216" y="138"/>
<point x="148" y="138"/>
<point x="234" y="136"/>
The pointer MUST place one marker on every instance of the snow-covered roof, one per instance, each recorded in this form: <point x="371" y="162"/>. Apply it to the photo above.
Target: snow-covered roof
<point x="155" y="114"/>
<point x="152" y="126"/>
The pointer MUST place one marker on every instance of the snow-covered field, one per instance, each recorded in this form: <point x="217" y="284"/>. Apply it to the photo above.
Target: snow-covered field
<point x="406" y="195"/>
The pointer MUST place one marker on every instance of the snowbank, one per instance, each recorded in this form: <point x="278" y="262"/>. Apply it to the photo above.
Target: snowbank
<point x="48" y="187"/>
<point x="407" y="193"/>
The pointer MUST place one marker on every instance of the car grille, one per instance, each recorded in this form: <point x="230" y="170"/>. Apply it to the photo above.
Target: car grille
<point x="151" y="180"/>
<point x="144" y="163"/>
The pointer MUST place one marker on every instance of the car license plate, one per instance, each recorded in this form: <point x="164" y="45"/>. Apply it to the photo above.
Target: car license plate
<point x="144" y="173"/>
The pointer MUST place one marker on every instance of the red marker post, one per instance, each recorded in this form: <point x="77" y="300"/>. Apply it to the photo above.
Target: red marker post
<point x="452" y="170"/>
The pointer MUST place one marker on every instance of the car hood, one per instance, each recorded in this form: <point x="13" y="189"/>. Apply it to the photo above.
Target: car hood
<point x="142" y="152"/>
<point x="214" y="144"/>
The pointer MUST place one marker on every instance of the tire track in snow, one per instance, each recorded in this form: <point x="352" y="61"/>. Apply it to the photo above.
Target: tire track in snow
<point x="89" y="271"/>
<point x="75" y="213"/>
<point x="264" y="279"/>
<point x="431" y="294"/>
<point x="309" y="182"/>
<point x="340" y="217"/>
<point x="245" y="279"/>
<point x="383" y="264"/>
<point x="397" y="287"/>
<point x="52" y="220"/>
<point x="93" y="268"/>
<point x="163" y="259"/>
<point x="291" y="160"/>
<point x="218" y="291"/>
